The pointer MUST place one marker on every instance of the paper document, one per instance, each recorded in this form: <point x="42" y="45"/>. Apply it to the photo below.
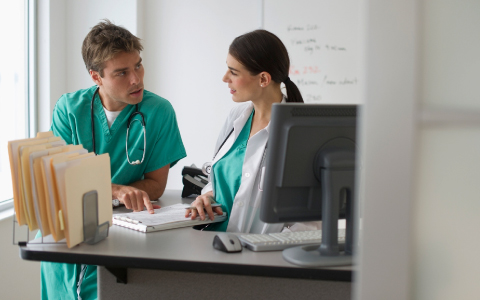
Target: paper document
<point x="167" y="217"/>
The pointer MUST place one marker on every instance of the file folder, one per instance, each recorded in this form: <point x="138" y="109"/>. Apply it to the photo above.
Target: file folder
<point x="59" y="165"/>
<point x="52" y="202"/>
<point x="61" y="189"/>
<point x="26" y="170"/>
<point x="92" y="173"/>
<point x="39" y="185"/>
<point x="13" y="146"/>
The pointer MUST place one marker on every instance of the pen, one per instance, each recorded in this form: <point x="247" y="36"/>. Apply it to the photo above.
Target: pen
<point x="213" y="205"/>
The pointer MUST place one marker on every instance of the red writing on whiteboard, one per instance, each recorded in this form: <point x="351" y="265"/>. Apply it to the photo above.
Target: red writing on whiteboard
<point x="304" y="70"/>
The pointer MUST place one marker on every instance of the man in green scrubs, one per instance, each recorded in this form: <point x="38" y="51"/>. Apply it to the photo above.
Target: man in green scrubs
<point x="112" y="58"/>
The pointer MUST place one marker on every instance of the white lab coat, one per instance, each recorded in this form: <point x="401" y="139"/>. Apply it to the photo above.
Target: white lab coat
<point x="245" y="212"/>
<point x="246" y="205"/>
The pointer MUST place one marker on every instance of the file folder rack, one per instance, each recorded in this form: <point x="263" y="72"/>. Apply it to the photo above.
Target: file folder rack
<point x="92" y="231"/>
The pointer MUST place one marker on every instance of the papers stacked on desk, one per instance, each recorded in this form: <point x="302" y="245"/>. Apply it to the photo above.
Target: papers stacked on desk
<point x="168" y="217"/>
<point x="49" y="179"/>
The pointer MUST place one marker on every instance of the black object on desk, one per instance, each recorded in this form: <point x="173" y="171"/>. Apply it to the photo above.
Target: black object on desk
<point x="193" y="181"/>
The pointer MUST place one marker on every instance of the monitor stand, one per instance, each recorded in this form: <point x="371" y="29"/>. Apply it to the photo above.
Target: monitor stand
<point x="310" y="256"/>
<point x="336" y="169"/>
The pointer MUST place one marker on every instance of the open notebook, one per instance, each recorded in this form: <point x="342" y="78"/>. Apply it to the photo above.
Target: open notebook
<point x="168" y="217"/>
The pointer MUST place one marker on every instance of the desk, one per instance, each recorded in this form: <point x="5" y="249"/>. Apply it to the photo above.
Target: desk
<point x="182" y="263"/>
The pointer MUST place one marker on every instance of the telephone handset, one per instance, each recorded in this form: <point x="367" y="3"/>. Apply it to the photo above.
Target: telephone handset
<point x="194" y="180"/>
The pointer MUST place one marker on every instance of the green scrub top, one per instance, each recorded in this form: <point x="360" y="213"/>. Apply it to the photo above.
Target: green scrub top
<point x="228" y="174"/>
<point x="72" y="122"/>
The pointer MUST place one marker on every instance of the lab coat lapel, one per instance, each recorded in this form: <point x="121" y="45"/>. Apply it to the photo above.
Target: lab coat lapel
<point x="237" y="128"/>
<point x="256" y="145"/>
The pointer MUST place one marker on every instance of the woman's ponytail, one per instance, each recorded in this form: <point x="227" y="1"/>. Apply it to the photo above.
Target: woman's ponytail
<point x="293" y="93"/>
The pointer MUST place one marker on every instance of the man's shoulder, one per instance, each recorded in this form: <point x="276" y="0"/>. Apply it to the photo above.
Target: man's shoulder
<point x="152" y="101"/>
<point x="77" y="97"/>
<point x="75" y="102"/>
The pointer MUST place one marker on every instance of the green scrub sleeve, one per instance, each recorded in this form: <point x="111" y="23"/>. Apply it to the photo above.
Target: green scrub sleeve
<point x="168" y="147"/>
<point x="60" y="123"/>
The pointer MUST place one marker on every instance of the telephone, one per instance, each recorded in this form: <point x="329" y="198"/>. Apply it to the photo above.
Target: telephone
<point x="194" y="180"/>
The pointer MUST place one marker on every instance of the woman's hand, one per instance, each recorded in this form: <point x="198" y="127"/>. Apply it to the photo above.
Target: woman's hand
<point x="203" y="203"/>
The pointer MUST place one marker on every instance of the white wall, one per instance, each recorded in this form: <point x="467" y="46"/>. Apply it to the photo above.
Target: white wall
<point x="82" y="16"/>
<point x="51" y="58"/>
<point x="186" y="45"/>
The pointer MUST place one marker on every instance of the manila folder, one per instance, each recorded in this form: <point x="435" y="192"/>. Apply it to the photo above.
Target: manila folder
<point x="90" y="174"/>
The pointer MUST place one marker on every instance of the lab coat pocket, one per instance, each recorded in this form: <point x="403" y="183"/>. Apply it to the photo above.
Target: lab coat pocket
<point x="260" y="182"/>
<point x="258" y="193"/>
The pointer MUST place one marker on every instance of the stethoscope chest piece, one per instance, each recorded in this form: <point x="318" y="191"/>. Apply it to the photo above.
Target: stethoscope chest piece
<point x="207" y="168"/>
<point x="129" y="122"/>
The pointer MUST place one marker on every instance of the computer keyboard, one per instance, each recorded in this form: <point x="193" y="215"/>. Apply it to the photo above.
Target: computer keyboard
<point x="283" y="240"/>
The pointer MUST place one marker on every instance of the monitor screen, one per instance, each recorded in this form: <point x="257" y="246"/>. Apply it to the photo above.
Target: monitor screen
<point x="310" y="167"/>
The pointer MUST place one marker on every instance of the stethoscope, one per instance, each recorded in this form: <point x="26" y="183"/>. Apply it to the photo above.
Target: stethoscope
<point x="207" y="167"/>
<point x="129" y="122"/>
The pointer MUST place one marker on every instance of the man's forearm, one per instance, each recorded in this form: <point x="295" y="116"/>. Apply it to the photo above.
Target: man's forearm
<point x="151" y="187"/>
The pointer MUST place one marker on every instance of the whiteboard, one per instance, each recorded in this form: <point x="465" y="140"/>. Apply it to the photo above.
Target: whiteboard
<point x="322" y="38"/>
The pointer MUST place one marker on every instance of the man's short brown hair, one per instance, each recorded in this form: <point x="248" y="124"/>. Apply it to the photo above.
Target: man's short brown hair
<point x="104" y="41"/>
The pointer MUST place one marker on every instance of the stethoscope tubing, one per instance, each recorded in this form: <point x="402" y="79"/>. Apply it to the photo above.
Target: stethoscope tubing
<point x="207" y="167"/>
<point x="129" y="122"/>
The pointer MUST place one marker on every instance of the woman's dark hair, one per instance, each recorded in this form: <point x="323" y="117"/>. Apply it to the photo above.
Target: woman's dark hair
<point x="262" y="51"/>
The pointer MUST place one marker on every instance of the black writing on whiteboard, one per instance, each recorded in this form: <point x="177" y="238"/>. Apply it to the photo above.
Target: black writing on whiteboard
<point x="312" y="98"/>
<point x="334" y="48"/>
<point x="307" y="27"/>
<point x="304" y="82"/>
<point x="303" y="41"/>
<point x="340" y="81"/>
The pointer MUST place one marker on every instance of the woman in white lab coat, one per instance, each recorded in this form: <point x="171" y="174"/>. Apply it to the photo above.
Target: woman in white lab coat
<point x="257" y="64"/>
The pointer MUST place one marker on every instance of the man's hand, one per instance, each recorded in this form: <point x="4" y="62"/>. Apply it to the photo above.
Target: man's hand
<point x="133" y="198"/>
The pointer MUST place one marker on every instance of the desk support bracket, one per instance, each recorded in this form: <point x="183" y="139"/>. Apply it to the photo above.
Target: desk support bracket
<point x="119" y="273"/>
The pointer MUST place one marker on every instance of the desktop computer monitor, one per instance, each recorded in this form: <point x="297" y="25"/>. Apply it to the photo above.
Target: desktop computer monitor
<point x="310" y="176"/>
